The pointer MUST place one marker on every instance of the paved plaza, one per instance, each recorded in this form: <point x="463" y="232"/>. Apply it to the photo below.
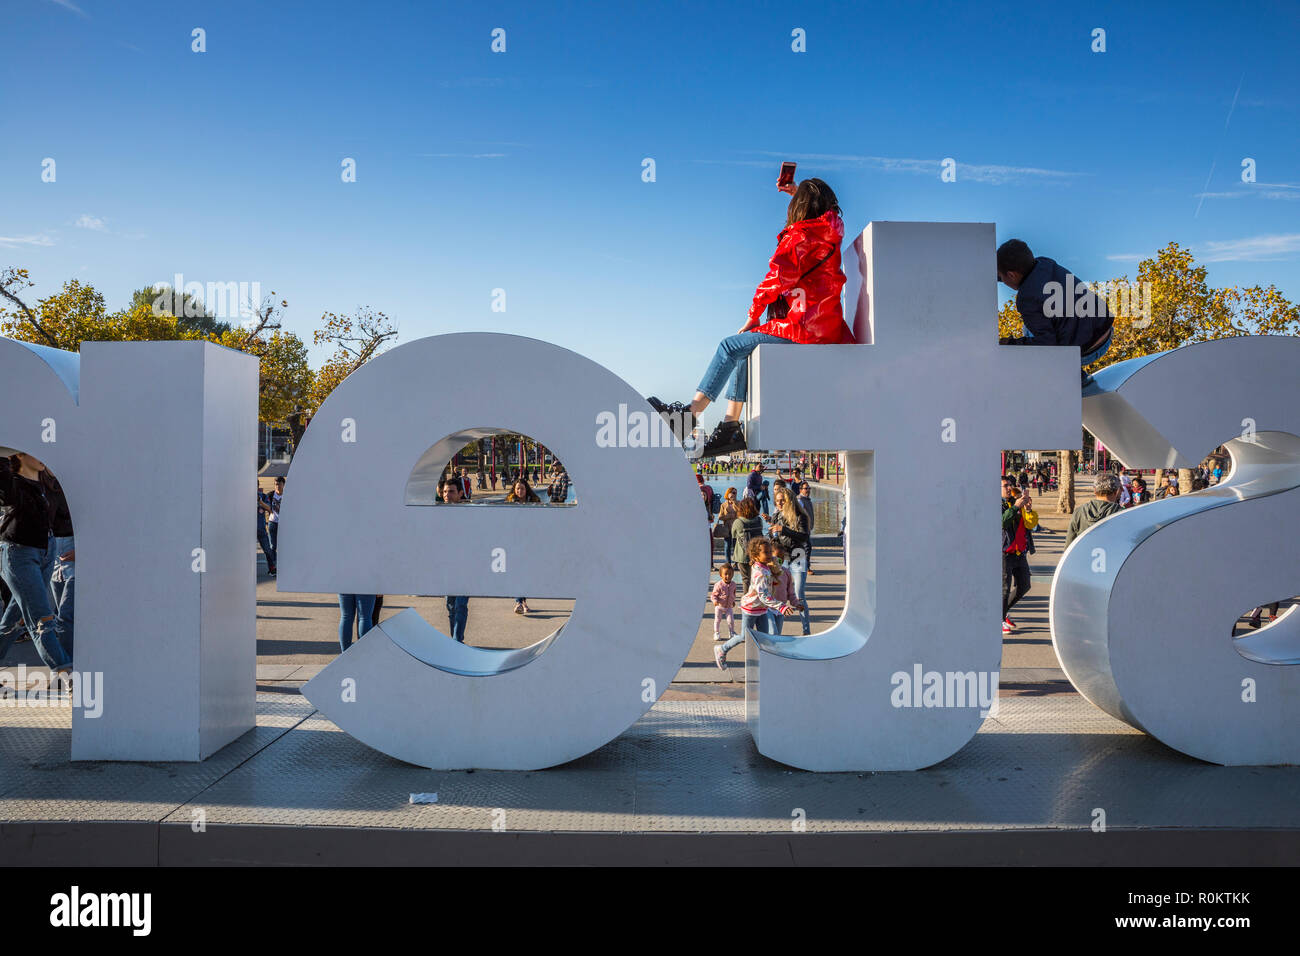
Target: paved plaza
<point x="297" y="790"/>
<point x="298" y="632"/>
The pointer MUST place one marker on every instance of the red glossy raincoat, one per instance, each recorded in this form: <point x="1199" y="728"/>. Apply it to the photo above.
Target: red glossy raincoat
<point x="817" y="317"/>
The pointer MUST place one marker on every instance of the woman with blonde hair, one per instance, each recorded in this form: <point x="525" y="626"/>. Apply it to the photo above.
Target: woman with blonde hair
<point x="791" y="529"/>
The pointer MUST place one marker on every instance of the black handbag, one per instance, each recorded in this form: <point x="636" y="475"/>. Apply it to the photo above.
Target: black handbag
<point x="780" y="308"/>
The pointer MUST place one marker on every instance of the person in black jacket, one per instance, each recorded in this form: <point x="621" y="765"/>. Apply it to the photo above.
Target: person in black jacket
<point x="263" y="539"/>
<point x="29" y="498"/>
<point x="791" y="528"/>
<point x="1055" y="307"/>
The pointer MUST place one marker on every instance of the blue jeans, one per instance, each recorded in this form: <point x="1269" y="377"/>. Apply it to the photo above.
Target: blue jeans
<point x="759" y="622"/>
<point x="264" y="540"/>
<point x="358" y="609"/>
<point x="1098" y="352"/>
<point x="11" y="622"/>
<point x="775" y="622"/>
<point x="27" y="572"/>
<point x="730" y="362"/>
<point x="63" y="592"/>
<point x="800" y="579"/>
<point x="457" y="615"/>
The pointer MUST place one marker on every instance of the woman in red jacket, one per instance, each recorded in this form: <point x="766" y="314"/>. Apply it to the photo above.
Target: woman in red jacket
<point x="801" y="296"/>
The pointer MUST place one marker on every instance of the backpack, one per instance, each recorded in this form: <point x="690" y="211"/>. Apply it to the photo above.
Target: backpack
<point x="740" y="540"/>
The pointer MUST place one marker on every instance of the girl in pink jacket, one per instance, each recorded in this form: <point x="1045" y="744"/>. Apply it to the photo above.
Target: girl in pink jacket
<point x="724" y="603"/>
<point x="757" y="601"/>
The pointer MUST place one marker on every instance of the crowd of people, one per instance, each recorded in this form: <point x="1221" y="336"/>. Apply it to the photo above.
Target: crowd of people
<point x="358" y="613"/>
<point x="815" y="469"/>
<point x="37" y="562"/>
<point x="772" y="568"/>
<point x="1112" y="492"/>
<point x="489" y="479"/>
<point x="1041" y="476"/>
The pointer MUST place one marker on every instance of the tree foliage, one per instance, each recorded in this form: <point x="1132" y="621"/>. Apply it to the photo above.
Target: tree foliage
<point x="357" y="339"/>
<point x="77" y="313"/>
<point x="191" y="314"/>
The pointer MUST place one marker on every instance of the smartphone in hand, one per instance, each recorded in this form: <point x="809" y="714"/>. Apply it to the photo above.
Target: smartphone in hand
<point x="787" y="177"/>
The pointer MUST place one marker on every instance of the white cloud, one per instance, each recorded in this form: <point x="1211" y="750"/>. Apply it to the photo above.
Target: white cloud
<point x="766" y="163"/>
<point x="971" y="172"/>
<point x="69" y="5"/>
<point x="1253" y="249"/>
<point x="91" y="222"/>
<point x="1258" y="190"/>
<point x="26" y="241"/>
<point x="469" y="82"/>
<point x="463" y="155"/>
<point x="1135" y="257"/>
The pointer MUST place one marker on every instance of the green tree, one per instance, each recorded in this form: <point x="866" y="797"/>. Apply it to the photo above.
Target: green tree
<point x="77" y="313"/>
<point x="356" y="339"/>
<point x="190" y="313"/>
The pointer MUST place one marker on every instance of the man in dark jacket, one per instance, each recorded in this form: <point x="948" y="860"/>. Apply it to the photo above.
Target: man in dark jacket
<point x="1055" y="307"/>
<point x="1104" y="503"/>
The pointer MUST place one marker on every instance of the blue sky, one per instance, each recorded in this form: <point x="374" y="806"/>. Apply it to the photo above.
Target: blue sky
<point x="522" y="170"/>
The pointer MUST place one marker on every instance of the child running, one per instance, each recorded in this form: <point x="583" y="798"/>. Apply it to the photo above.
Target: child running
<point x="758" y="600"/>
<point x="724" y="603"/>
<point x="782" y="587"/>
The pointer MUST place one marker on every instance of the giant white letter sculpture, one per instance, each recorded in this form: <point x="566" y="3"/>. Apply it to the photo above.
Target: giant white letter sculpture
<point x="932" y="397"/>
<point x="632" y="553"/>
<point x="1143" y="604"/>
<point x="154" y="445"/>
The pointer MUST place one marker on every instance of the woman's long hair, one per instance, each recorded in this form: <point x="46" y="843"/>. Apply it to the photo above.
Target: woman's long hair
<point x="529" y="497"/>
<point x="812" y="198"/>
<point x="45" y="478"/>
<point x="789" y="513"/>
<point x="48" y="483"/>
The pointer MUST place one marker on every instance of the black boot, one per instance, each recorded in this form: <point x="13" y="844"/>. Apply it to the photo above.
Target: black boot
<point x="727" y="437"/>
<point x="680" y="418"/>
